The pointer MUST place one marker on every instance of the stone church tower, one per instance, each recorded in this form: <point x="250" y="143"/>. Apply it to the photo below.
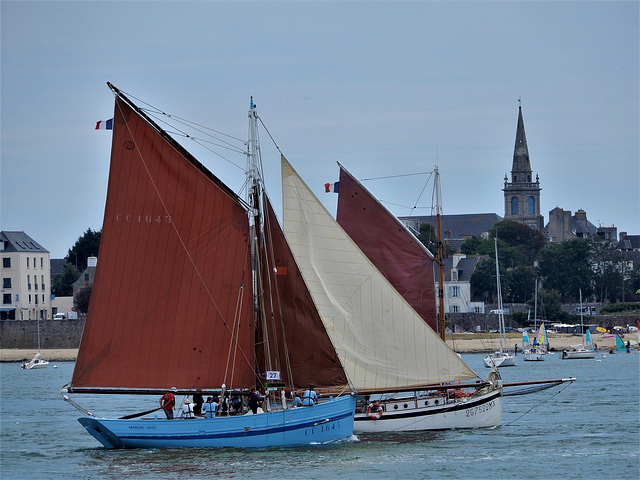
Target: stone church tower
<point x="522" y="194"/>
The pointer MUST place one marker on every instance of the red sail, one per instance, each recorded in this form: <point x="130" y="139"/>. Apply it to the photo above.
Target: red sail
<point x="385" y="241"/>
<point x="312" y="358"/>
<point x="171" y="302"/>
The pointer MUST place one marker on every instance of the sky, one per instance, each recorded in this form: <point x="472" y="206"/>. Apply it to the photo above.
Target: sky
<point x="386" y="88"/>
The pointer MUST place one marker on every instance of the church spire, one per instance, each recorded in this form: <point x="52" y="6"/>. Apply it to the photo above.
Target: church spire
<point x="521" y="168"/>
<point x="522" y="194"/>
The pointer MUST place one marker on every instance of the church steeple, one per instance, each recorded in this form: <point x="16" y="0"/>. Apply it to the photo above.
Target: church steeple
<point x="522" y="194"/>
<point x="521" y="168"/>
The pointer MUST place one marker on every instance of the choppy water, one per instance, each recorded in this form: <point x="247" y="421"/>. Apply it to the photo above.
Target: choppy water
<point x="589" y="430"/>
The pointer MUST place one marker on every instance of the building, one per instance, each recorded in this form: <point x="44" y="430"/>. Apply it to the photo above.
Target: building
<point x="458" y="296"/>
<point x="522" y="193"/>
<point x="26" y="278"/>
<point x="456" y="228"/>
<point x="564" y="226"/>
<point x="86" y="278"/>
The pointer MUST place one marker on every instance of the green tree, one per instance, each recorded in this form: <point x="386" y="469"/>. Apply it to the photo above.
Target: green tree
<point x="519" y="284"/>
<point x="82" y="299"/>
<point x="607" y="264"/>
<point x="86" y="246"/>
<point x="520" y="243"/>
<point x="483" y="279"/>
<point x="566" y="268"/>
<point x="62" y="284"/>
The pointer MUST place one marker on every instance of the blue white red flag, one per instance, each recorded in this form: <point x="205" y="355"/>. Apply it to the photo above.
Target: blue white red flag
<point x="331" y="187"/>
<point x="105" y="124"/>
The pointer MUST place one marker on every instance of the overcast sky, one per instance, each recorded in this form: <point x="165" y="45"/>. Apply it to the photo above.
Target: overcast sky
<point x="385" y="88"/>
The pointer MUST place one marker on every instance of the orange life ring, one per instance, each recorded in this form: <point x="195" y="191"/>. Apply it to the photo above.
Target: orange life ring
<point x="377" y="413"/>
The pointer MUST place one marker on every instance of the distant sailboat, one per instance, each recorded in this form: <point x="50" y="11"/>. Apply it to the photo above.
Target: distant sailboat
<point x="197" y="289"/>
<point x="501" y="358"/>
<point x="36" y="362"/>
<point x="620" y="346"/>
<point x="531" y="353"/>
<point x="584" y="350"/>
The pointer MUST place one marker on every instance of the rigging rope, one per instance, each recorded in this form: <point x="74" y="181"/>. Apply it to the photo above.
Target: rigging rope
<point x="529" y="390"/>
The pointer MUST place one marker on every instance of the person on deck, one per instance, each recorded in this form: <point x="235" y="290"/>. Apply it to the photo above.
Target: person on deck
<point x="167" y="402"/>
<point x="254" y="400"/>
<point x="197" y="402"/>
<point x="187" y="409"/>
<point x="209" y="408"/>
<point x="310" y="397"/>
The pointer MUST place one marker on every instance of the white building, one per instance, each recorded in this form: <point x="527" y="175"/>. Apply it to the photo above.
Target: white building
<point x="457" y="284"/>
<point x="26" y="278"/>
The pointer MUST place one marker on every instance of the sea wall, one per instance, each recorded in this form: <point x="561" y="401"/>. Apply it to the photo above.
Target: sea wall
<point x="53" y="334"/>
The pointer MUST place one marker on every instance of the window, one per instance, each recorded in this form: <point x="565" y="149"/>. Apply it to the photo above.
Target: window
<point x="455" y="309"/>
<point x="454" y="275"/>
<point x="6" y="299"/>
<point x="6" y="263"/>
<point x="86" y="277"/>
<point x="41" y="262"/>
<point x="29" y="298"/>
<point x="514" y="206"/>
<point x="27" y="262"/>
<point x="42" y="278"/>
<point x="6" y="283"/>
<point x="454" y="291"/>
<point x="28" y="282"/>
<point x="532" y="205"/>
<point x="477" y="310"/>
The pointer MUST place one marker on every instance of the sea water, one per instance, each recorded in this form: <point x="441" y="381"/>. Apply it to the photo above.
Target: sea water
<point x="588" y="430"/>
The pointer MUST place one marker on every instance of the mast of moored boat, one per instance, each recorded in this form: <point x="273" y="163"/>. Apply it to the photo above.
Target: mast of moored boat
<point x="440" y="256"/>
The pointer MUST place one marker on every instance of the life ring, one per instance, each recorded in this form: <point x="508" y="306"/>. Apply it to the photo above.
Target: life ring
<point x="376" y="413"/>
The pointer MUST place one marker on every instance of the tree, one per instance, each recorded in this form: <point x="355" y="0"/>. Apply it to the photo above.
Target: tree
<point x="82" y="299"/>
<point x="608" y="265"/>
<point x="86" y="246"/>
<point x="524" y="242"/>
<point x="62" y="284"/>
<point x="566" y="268"/>
<point x="483" y="279"/>
<point x="519" y="284"/>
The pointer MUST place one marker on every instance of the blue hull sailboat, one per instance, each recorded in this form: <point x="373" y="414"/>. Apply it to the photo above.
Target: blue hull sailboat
<point x="196" y="291"/>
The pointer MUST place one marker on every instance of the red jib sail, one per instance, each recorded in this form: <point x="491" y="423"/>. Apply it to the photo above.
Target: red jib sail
<point x="171" y="304"/>
<point x="404" y="262"/>
<point x="296" y="322"/>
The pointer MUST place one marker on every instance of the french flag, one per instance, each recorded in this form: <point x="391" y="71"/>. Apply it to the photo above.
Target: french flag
<point x="331" y="187"/>
<point x="105" y="124"/>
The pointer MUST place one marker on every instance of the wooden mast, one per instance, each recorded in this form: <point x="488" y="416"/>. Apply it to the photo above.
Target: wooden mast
<point x="439" y="256"/>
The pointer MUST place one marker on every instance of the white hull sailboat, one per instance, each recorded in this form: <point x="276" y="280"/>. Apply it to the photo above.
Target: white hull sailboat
<point x="36" y="362"/>
<point x="500" y="358"/>
<point x="405" y="290"/>
<point x="531" y="353"/>
<point x="584" y="350"/>
<point x="197" y="290"/>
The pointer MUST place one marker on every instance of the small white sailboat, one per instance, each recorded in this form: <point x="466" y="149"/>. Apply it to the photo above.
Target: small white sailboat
<point x="584" y="350"/>
<point x="36" y="362"/>
<point x="531" y="353"/>
<point x="501" y="358"/>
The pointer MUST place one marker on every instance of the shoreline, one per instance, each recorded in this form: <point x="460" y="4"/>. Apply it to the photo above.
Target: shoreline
<point x="461" y="343"/>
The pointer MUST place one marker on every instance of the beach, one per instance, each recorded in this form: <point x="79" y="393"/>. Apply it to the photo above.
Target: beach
<point x="460" y="342"/>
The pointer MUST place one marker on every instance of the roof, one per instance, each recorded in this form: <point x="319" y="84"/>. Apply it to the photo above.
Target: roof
<point x="465" y="267"/>
<point x="57" y="265"/>
<point x="20" y="242"/>
<point x="459" y="226"/>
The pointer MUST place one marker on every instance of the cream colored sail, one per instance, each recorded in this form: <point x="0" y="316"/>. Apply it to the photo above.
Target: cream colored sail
<point x="381" y="341"/>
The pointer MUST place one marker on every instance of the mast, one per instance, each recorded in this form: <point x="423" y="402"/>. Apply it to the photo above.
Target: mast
<point x="500" y="310"/>
<point x="254" y="192"/>
<point x="439" y="256"/>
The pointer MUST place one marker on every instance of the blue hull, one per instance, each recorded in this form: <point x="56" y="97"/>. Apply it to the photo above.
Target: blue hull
<point x="322" y="423"/>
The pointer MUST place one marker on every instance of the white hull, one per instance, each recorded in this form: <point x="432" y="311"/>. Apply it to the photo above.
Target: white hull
<point x="35" y="363"/>
<point x="413" y="414"/>
<point x="578" y="353"/>
<point x="499" y="359"/>
<point x="534" y="356"/>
